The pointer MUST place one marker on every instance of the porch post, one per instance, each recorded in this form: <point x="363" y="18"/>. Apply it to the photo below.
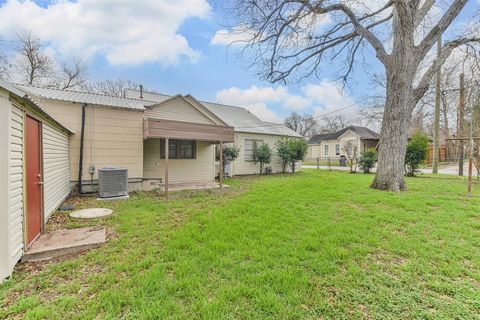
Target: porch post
<point x="166" y="167"/>
<point x="220" y="175"/>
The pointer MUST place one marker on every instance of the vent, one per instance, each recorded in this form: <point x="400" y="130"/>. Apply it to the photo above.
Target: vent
<point x="112" y="182"/>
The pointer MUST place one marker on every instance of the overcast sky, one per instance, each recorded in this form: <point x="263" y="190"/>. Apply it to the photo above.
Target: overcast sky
<point x="174" y="46"/>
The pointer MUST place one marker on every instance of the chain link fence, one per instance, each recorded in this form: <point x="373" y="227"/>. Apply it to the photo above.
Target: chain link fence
<point x="451" y="166"/>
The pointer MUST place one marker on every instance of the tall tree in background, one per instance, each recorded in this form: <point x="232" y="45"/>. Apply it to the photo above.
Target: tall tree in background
<point x="304" y="124"/>
<point x="335" y="123"/>
<point x="286" y="37"/>
<point x="4" y="66"/>
<point x="33" y="65"/>
<point x="73" y="75"/>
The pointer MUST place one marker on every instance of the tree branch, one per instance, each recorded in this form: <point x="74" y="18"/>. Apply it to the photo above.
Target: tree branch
<point x="359" y="29"/>
<point x="437" y="64"/>
<point x="423" y="11"/>
<point x="447" y="19"/>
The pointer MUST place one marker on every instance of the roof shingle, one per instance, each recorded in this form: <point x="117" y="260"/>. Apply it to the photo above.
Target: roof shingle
<point x="362" y="132"/>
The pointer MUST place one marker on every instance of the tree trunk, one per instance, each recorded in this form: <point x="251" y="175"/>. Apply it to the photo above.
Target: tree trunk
<point x="394" y="134"/>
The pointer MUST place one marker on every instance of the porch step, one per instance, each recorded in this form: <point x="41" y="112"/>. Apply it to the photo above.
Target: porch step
<point x="63" y="242"/>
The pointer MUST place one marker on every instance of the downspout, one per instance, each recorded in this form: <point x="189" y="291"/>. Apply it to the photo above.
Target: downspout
<point x="80" y="163"/>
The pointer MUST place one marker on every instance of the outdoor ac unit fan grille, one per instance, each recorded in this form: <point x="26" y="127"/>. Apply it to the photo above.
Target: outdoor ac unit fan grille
<point x="112" y="182"/>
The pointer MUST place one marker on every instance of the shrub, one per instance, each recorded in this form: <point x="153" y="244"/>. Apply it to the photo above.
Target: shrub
<point x="417" y="149"/>
<point x="230" y="153"/>
<point x="283" y="152"/>
<point x="290" y="151"/>
<point x="368" y="160"/>
<point x="262" y="154"/>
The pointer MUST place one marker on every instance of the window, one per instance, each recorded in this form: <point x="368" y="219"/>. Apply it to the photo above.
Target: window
<point x="326" y="150"/>
<point x="179" y="149"/>
<point x="250" y="145"/>
<point x="337" y="149"/>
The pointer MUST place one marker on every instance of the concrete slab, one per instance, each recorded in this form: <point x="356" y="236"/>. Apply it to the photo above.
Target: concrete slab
<point x="63" y="242"/>
<point x="91" y="213"/>
<point x="149" y="185"/>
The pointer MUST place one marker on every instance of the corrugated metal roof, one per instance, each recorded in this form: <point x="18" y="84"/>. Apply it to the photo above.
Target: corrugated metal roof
<point x="85" y="97"/>
<point x="24" y="95"/>
<point x="239" y="118"/>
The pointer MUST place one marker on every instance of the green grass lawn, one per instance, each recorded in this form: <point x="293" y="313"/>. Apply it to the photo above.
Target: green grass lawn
<point x="314" y="245"/>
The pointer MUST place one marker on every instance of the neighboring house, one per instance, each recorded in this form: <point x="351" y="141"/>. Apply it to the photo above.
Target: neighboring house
<point x="333" y="145"/>
<point x="34" y="172"/>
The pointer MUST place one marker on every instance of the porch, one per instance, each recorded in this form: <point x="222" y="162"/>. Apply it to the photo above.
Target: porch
<point x="179" y="154"/>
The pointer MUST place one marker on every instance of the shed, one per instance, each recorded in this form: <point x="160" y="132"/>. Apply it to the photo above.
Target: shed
<point x="34" y="172"/>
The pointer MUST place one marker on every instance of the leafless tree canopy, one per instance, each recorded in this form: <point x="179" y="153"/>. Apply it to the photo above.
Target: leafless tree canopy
<point x="305" y="124"/>
<point x="4" y="67"/>
<point x="73" y="75"/>
<point x="334" y="123"/>
<point x="34" y="64"/>
<point x="288" y="37"/>
<point x="114" y="88"/>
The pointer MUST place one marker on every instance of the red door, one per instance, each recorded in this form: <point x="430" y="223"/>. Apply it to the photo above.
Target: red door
<point x="33" y="178"/>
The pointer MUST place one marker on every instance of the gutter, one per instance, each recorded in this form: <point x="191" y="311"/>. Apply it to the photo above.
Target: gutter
<point x="80" y="163"/>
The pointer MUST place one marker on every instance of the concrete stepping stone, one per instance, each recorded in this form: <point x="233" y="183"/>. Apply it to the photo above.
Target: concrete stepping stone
<point x="63" y="242"/>
<point x="91" y="213"/>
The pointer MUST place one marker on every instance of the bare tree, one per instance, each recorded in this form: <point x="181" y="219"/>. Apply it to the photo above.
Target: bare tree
<point x="33" y="65"/>
<point x="285" y="38"/>
<point x="304" y="124"/>
<point x="114" y="88"/>
<point x="351" y="150"/>
<point x="335" y="123"/>
<point x="4" y="64"/>
<point x="73" y="75"/>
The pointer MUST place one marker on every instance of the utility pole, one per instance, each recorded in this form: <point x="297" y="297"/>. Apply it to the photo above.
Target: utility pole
<point x="436" y="127"/>
<point x="470" y="162"/>
<point x="460" y="124"/>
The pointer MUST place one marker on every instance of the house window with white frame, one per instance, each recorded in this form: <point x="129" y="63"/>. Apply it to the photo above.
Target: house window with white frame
<point x="326" y="150"/>
<point x="337" y="149"/>
<point x="250" y="145"/>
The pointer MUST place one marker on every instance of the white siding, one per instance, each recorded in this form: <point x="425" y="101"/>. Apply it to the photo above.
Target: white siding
<point x="178" y="109"/>
<point x="16" y="185"/>
<point x="56" y="168"/>
<point x="240" y="166"/>
<point x="201" y="169"/>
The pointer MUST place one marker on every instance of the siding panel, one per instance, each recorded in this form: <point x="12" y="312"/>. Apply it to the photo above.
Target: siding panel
<point x="201" y="169"/>
<point x="56" y="168"/>
<point x="113" y="137"/>
<point x="16" y="207"/>
<point x="241" y="167"/>
<point x="179" y="110"/>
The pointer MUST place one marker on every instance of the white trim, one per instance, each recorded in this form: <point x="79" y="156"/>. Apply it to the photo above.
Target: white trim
<point x="340" y="137"/>
<point x="5" y="257"/>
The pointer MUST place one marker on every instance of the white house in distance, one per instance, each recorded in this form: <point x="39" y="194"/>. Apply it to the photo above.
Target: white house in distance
<point x="54" y="141"/>
<point x="332" y="145"/>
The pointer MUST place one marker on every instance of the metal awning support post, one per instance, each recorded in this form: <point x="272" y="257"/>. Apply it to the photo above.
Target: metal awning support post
<point x="166" y="167"/>
<point x="220" y="175"/>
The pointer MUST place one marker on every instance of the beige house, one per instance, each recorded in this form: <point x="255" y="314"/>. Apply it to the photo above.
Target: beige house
<point x="131" y="132"/>
<point x="56" y="140"/>
<point x="248" y="130"/>
<point x="334" y="145"/>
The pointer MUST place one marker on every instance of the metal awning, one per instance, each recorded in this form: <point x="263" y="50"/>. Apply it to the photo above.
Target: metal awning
<point x="158" y="128"/>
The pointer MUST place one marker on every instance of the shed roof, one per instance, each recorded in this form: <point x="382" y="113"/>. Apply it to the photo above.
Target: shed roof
<point x="239" y="118"/>
<point x="85" y="97"/>
<point x="362" y="132"/>
<point x="24" y="95"/>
